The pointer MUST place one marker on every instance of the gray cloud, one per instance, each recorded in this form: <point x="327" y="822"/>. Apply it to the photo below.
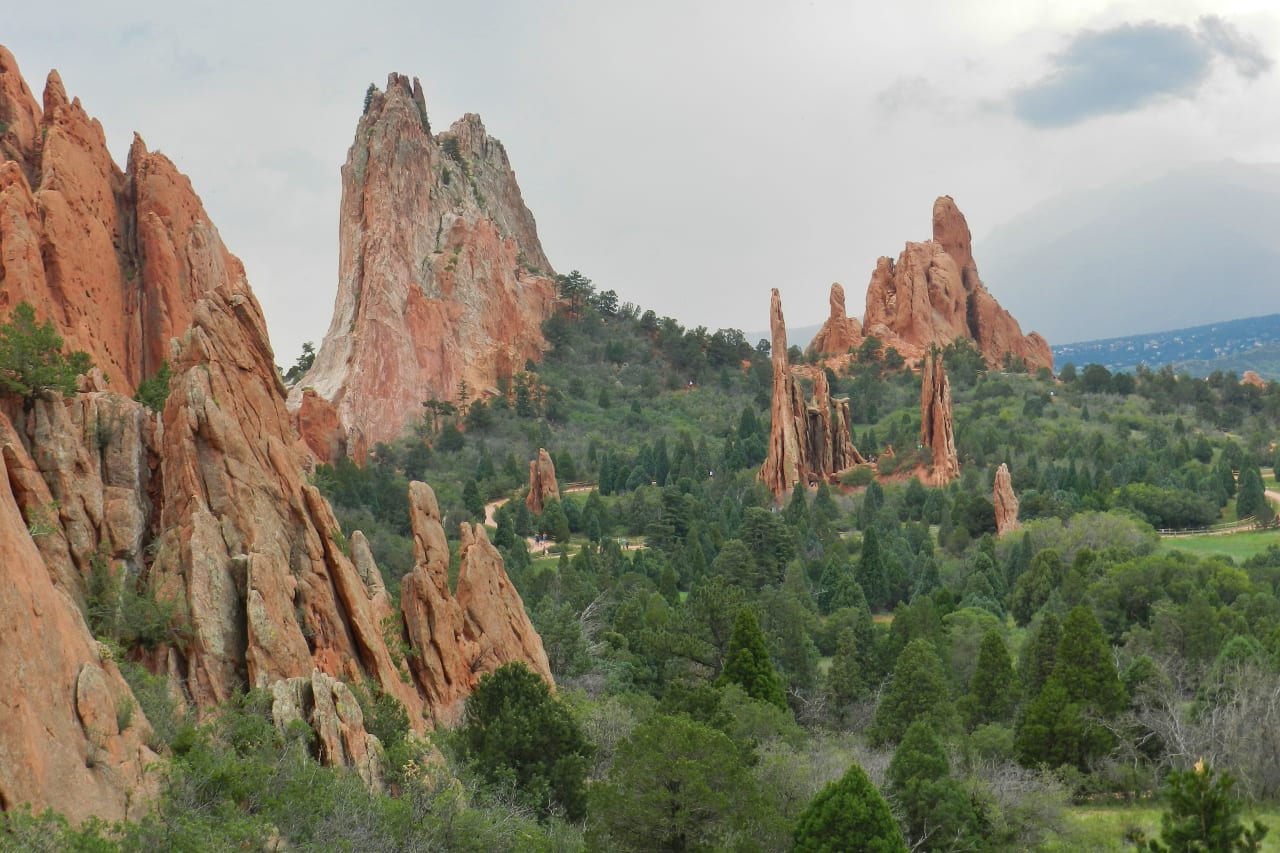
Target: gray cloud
<point x="1225" y="38"/>
<point x="1128" y="67"/>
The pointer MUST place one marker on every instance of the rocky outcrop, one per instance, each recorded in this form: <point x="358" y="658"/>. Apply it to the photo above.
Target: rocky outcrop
<point x="316" y="422"/>
<point x="932" y="295"/>
<point x="205" y="506"/>
<point x="937" y="432"/>
<point x="71" y="736"/>
<point x="333" y="714"/>
<point x="1005" y="501"/>
<point x="542" y="482"/>
<point x="808" y="441"/>
<point x="1251" y="377"/>
<point x="460" y="638"/>
<point x="115" y="259"/>
<point x="840" y="333"/>
<point x="442" y="283"/>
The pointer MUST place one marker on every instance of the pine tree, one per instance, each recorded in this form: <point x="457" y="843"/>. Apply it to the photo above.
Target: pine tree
<point x="918" y="691"/>
<point x="848" y="814"/>
<point x="31" y="358"/>
<point x="1040" y="652"/>
<point x="870" y="572"/>
<point x="747" y="663"/>
<point x="993" y="692"/>
<point x="936" y="811"/>
<point x="1203" y="815"/>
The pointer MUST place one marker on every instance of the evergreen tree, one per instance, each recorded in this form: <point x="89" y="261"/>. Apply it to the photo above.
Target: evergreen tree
<point x="472" y="500"/>
<point x="918" y="691"/>
<point x="936" y="812"/>
<point x="514" y="730"/>
<point x="993" y="692"/>
<point x="848" y="814"/>
<point x="31" y="358"/>
<point x="1040" y="653"/>
<point x="871" y="569"/>
<point x="1203" y="815"/>
<point x="747" y="663"/>
<point x="846" y="681"/>
<point x="1251" y="501"/>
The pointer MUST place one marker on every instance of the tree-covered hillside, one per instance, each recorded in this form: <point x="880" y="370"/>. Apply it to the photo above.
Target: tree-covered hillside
<point x="738" y="675"/>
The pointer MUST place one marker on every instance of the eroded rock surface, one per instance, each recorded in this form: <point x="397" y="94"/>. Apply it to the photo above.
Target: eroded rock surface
<point x="808" y="440"/>
<point x="443" y="284"/>
<point x="1005" y="501"/>
<point x="840" y="333"/>
<point x="937" y="430"/>
<point x="542" y="482"/>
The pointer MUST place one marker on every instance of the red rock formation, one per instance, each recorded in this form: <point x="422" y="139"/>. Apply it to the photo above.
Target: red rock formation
<point x="317" y="424"/>
<point x="459" y="639"/>
<point x="542" y="482"/>
<point x="115" y="259"/>
<point x="1005" y="501"/>
<point x="442" y="280"/>
<point x="840" y="333"/>
<point x="331" y="710"/>
<point x="936" y="429"/>
<point x="933" y="295"/>
<point x="1252" y="378"/>
<point x="60" y="733"/>
<point x="206" y="505"/>
<point x="807" y="441"/>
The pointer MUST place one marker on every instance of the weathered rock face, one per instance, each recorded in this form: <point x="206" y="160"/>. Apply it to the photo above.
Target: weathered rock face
<point x="542" y="482"/>
<point x="442" y="280"/>
<point x="1251" y="377"/>
<point x="62" y="738"/>
<point x="115" y="259"/>
<point x="460" y="638"/>
<point x="1005" y="501"/>
<point x="933" y="295"/>
<point x="316" y="421"/>
<point x="333" y="713"/>
<point x="937" y="432"/>
<point x="808" y="441"/>
<point x="840" y="333"/>
<point x="205" y="506"/>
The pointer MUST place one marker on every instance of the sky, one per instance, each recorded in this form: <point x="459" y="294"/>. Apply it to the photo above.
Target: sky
<point x="689" y="155"/>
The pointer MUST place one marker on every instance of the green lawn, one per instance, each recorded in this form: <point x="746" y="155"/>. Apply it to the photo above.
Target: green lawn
<point x="1102" y="829"/>
<point x="1235" y="545"/>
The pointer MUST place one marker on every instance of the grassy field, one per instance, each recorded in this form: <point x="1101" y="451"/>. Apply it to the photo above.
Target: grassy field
<point x="1101" y="829"/>
<point x="1235" y="545"/>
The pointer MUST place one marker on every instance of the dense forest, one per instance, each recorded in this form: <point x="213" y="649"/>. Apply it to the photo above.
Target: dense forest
<point x="865" y="666"/>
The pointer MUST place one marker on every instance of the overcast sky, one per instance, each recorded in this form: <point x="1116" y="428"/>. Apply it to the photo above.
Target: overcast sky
<point x="690" y="155"/>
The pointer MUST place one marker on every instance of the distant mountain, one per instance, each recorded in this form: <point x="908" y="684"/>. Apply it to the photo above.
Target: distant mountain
<point x="1252" y="343"/>
<point x="1190" y="247"/>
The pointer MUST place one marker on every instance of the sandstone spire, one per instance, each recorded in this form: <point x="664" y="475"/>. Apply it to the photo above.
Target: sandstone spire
<point x="932" y="295"/>
<point x="542" y="482"/>
<point x="936" y="429"/>
<point x="1005" y="501"/>
<point x="441" y="279"/>
<point x="807" y="441"/>
<point x="840" y="333"/>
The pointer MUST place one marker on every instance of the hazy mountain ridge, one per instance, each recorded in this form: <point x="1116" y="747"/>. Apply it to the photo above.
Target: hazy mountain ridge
<point x="1251" y="343"/>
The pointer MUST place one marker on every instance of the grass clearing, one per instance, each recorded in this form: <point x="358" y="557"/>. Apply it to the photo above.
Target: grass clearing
<point x="1238" y="546"/>
<point x="1102" y="829"/>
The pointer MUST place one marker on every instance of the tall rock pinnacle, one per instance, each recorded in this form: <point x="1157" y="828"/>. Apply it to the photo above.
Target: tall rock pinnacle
<point x="441" y="280"/>
<point x="807" y="441"/>
<point x="937" y="431"/>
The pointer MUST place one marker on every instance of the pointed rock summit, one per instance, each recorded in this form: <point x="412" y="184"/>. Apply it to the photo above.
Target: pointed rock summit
<point x="1005" y="501"/>
<point x="542" y="482"/>
<point x="441" y="281"/>
<point x="929" y="297"/>
<point x="808" y="441"/>
<point x="937" y="431"/>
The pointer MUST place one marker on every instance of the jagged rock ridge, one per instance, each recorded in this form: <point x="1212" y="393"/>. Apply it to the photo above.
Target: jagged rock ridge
<point x="442" y="282"/>
<point x="808" y="441"/>
<point x="931" y="296"/>
<point x="206" y="504"/>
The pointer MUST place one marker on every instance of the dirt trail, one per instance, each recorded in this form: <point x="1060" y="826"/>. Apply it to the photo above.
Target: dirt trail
<point x="536" y="547"/>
